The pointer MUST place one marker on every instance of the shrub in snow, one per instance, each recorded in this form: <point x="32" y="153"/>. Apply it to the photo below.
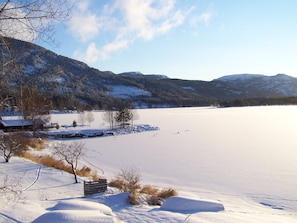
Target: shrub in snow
<point x="117" y="183"/>
<point x="165" y="193"/>
<point x="133" y="198"/>
<point x="148" y="189"/>
<point x="128" y="180"/>
<point x="74" y="124"/>
<point x="158" y="197"/>
<point x="37" y="144"/>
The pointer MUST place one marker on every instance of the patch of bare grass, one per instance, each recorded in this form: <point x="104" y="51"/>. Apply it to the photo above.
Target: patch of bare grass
<point x="86" y="171"/>
<point x="133" y="199"/>
<point x="128" y="181"/>
<point x="49" y="161"/>
<point x="165" y="193"/>
<point x="37" y="144"/>
<point x="150" y="190"/>
<point x="118" y="183"/>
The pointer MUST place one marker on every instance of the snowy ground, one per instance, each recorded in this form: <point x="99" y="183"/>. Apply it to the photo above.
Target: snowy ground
<point x="242" y="160"/>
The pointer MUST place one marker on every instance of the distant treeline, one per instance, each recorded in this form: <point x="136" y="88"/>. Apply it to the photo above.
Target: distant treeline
<point x="60" y="102"/>
<point x="259" y="101"/>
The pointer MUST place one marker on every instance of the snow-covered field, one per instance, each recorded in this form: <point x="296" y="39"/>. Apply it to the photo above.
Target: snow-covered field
<point x="242" y="160"/>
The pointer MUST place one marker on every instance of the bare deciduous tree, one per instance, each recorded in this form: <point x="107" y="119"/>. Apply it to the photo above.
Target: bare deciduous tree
<point x="135" y="116"/>
<point x="90" y="117"/>
<point x="11" y="189"/>
<point x="131" y="179"/>
<point x="30" y="20"/>
<point x="82" y="116"/>
<point x="109" y="115"/>
<point x="33" y="106"/>
<point x="12" y="144"/>
<point x="71" y="153"/>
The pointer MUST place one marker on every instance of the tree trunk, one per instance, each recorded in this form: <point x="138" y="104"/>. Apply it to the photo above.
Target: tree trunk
<point x="74" y="173"/>
<point x="7" y="157"/>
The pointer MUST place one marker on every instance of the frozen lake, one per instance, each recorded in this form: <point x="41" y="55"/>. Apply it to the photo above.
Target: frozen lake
<point x="249" y="152"/>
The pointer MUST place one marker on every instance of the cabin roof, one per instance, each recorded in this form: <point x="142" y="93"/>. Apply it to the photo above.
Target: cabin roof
<point x="20" y="122"/>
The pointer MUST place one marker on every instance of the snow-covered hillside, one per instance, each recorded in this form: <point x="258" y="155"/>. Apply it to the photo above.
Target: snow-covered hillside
<point x="121" y="91"/>
<point x="240" y="77"/>
<point x="228" y="165"/>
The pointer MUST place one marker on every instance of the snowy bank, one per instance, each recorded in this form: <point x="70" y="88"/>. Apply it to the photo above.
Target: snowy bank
<point x="78" y="211"/>
<point x="187" y="205"/>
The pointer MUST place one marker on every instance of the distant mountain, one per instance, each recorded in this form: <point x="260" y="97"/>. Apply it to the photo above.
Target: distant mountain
<point x="255" y="85"/>
<point x="70" y="83"/>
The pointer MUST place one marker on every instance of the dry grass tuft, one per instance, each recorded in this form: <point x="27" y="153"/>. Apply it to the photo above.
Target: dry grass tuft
<point x="165" y="193"/>
<point x="150" y="190"/>
<point x="49" y="161"/>
<point x="127" y="181"/>
<point x="85" y="171"/>
<point x="133" y="199"/>
<point x="118" y="183"/>
<point x="94" y="176"/>
<point x="37" y="144"/>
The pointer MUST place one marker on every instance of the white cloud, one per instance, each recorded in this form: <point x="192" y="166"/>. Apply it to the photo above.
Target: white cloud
<point x="147" y="18"/>
<point x="83" y="23"/>
<point x="202" y="17"/>
<point x="82" y="5"/>
<point x="125" y="21"/>
<point x="84" y="26"/>
<point x="113" y="47"/>
<point x="91" y="54"/>
<point x="139" y="19"/>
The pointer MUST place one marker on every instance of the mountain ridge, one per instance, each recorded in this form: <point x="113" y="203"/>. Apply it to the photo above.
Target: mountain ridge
<point x="63" y="79"/>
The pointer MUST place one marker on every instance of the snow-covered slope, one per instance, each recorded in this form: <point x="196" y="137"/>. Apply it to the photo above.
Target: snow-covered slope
<point x="240" y="77"/>
<point x="242" y="159"/>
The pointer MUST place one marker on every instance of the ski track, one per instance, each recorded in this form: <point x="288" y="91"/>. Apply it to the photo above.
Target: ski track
<point x="35" y="180"/>
<point x="7" y="218"/>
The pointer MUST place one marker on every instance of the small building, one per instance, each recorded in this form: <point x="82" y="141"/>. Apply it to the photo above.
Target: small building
<point x="21" y="124"/>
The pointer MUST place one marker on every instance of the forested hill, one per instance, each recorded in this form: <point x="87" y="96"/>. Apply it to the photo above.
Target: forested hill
<point x="70" y="83"/>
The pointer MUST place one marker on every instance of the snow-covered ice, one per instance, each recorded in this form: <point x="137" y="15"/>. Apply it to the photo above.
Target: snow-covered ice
<point x="227" y="164"/>
<point x="189" y="206"/>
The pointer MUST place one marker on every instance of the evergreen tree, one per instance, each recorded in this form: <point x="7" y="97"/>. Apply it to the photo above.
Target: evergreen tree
<point x="123" y="115"/>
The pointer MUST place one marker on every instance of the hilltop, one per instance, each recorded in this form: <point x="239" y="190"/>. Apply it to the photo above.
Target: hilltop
<point x="70" y="83"/>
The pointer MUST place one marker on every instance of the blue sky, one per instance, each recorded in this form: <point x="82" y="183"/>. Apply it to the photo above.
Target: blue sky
<point x="186" y="39"/>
